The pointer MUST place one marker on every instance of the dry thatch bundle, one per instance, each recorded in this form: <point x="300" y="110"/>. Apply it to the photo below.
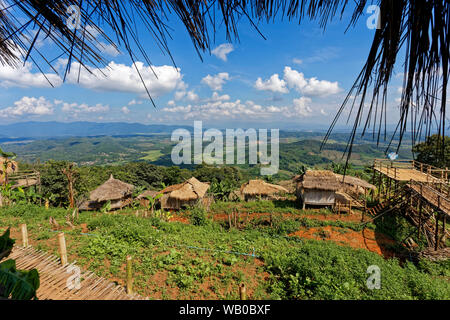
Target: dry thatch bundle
<point x="318" y="180"/>
<point x="261" y="188"/>
<point x="354" y="182"/>
<point x="191" y="189"/>
<point x="111" y="190"/>
<point x="288" y="184"/>
<point x="11" y="167"/>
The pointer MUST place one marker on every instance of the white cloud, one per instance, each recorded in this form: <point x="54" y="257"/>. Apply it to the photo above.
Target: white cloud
<point x="273" y="84"/>
<point x="125" y="110"/>
<point x="28" y="106"/>
<point x="159" y="80"/>
<point x="223" y="50"/>
<point x="216" y="82"/>
<point x="188" y="95"/>
<point x="309" y="87"/>
<point x="301" y="107"/>
<point x="75" y="108"/>
<point x="134" y="102"/>
<point x="24" y="77"/>
<point x="216" y="97"/>
<point x="297" y="61"/>
<point x="109" y="49"/>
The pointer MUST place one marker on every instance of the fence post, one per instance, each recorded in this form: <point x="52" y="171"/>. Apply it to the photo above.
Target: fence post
<point x="242" y="292"/>
<point x="62" y="248"/>
<point x="129" y="275"/>
<point x="24" y="235"/>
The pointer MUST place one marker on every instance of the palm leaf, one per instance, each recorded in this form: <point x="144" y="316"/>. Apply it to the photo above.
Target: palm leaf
<point x="17" y="284"/>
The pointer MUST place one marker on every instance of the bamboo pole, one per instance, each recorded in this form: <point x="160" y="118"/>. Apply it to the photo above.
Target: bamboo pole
<point x="62" y="248"/>
<point x="129" y="275"/>
<point x="242" y="292"/>
<point x="23" y="227"/>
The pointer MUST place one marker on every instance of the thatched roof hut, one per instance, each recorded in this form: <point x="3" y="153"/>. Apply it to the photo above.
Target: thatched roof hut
<point x="184" y="194"/>
<point x="317" y="187"/>
<point x="318" y="180"/>
<point x="116" y="191"/>
<point x="260" y="189"/>
<point x="112" y="189"/>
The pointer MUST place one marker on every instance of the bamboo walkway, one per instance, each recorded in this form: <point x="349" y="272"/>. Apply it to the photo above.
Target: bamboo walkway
<point x="54" y="278"/>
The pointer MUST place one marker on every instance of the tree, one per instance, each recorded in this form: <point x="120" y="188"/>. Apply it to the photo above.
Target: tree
<point x="418" y="29"/>
<point x="431" y="151"/>
<point x="70" y="174"/>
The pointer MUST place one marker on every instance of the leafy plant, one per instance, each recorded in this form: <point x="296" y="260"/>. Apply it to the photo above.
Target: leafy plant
<point x="15" y="284"/>
<point x="152" y="202"/>
<point x="106" y="207"/>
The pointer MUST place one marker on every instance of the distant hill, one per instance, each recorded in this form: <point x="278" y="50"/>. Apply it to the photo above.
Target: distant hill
<point x="80" y="129"/>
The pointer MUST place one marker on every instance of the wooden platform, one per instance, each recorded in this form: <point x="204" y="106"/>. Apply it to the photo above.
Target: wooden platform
<point x="54" y="278"/>
<point x="411" y="170"/>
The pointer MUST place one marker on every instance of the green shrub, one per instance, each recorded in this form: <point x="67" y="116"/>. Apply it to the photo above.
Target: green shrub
<point x="198" y="216"/>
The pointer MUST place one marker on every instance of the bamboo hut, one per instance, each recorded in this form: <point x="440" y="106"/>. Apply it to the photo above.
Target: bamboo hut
<point x="317" y="188"/>
<point x="143" y="197"/>
<point x="12" y="167"/>
<point x="259" y="189"/>
<point x="117" y="192"/>
<point x="185" y="194"/>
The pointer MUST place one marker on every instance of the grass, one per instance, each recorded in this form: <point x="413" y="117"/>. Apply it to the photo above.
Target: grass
<point x="179" y="261"/>
<point x="152" y="155"/>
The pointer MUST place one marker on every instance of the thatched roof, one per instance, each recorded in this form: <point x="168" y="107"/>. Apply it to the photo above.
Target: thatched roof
<point x="288" y="184"/>
<point x="148" y="193"/>
<point x="319" y="180"/>
<point x="191" y="189"/>
<point x="261" y="188"/>
<point x="353" y="181"/>
<point x="112" y="189"/>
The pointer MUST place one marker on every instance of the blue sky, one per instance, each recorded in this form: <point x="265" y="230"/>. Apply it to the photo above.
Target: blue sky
<point x="296" y="78"/>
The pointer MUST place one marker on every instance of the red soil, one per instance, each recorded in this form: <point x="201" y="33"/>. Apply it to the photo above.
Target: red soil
<point x="365" y="239"/>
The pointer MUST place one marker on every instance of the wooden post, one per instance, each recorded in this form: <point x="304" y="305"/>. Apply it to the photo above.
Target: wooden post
<point x="339" y="208"/>
<point x="444" y="218"/>
<point x="62" y="248"/>
<point x="436" y="233"/>
<point x="242" y="292"/>
<point x="129" y="275"/>
<point x="23" y="227"/>
<point x="420" y="219"/>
